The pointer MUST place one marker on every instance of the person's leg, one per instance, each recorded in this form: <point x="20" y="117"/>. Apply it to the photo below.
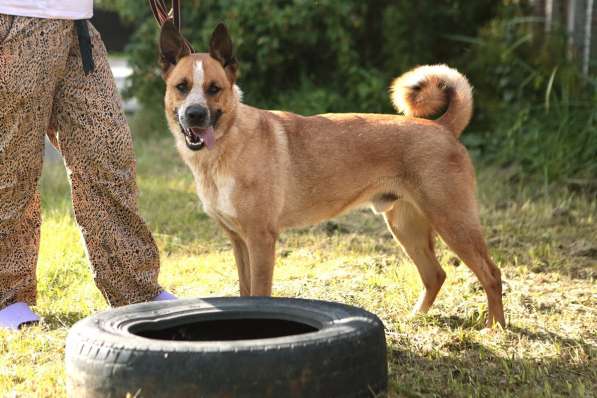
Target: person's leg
<point x="32" y="54"/>
<point x="94" y="138"/>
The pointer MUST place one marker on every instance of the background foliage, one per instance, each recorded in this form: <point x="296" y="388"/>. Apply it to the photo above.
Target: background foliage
<point x="534" y="110"/>
<point x="535" y="120"/>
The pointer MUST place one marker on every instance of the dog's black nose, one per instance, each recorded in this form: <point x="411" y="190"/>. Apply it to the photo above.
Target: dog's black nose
<point x="195" y="115"/>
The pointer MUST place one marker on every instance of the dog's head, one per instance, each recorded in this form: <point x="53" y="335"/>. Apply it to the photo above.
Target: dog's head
<point x="201" y="94"/>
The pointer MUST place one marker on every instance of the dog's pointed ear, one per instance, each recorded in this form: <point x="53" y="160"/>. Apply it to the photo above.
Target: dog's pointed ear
<point x="221" y="49"/>
<point x="172" y="47"/>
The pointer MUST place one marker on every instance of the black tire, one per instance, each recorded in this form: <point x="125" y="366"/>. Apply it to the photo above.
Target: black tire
<point x="339" y="351"/>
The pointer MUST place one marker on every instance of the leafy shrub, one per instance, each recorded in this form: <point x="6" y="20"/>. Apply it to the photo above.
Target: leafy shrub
<point x="339" y="55"/>
<point x="533" y="107"/>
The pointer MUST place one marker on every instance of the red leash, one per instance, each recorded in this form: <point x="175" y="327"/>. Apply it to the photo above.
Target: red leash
<point x="162" y="15"/>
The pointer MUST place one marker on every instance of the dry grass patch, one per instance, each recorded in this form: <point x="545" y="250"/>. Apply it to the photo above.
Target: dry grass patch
<point x="542" y="239"/>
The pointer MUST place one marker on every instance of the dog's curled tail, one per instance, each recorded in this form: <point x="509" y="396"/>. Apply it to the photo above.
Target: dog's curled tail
<point x="429" y="89"/>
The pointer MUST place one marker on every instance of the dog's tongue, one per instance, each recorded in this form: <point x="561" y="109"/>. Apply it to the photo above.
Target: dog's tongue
<point x="207" y="135"/>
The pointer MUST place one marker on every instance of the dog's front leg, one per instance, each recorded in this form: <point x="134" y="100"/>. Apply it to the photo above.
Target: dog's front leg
<point x="262" y="248"/>
<point x="241" y="255"/>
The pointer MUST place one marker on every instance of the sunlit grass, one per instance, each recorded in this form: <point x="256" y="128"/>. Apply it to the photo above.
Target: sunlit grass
<point x="537" y="236"/>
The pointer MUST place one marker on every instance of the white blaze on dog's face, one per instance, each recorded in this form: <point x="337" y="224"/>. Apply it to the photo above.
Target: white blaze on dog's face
<point x="195" y="97"/>
<point x="200" y="90"/>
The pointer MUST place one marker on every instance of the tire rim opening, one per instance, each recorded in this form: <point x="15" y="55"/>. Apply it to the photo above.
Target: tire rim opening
<point x="221" y="329"/>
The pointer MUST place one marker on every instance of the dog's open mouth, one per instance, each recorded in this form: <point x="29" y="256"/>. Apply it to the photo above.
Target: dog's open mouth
<point x="196" y="138"/>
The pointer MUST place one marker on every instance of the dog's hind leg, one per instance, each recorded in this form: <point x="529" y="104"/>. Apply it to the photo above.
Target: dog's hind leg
<point x="414" y="232"/>
<point x="468" y="243"/>
<point x="241" y="255"/>
<point x="453" y="214"/>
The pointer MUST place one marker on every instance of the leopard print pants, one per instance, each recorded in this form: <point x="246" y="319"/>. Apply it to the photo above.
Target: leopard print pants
<point x="44" y="90"/>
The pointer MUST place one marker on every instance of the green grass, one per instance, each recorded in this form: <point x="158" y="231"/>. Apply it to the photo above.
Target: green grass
<point x="543" y="239"/>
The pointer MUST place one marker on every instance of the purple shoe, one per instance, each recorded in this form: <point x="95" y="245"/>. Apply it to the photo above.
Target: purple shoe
<point x="16" y="315"/>
<point x="164" y="295"/>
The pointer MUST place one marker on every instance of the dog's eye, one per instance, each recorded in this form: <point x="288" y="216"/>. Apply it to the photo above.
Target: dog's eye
<point x="182" y="87"/>
<point x="213" y="89"/>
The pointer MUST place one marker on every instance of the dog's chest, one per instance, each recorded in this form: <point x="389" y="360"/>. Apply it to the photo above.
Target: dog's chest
<point x="216" y="194"/>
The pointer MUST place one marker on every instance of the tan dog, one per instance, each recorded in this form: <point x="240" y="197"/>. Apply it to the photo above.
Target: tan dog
<point x="265" y="171"/>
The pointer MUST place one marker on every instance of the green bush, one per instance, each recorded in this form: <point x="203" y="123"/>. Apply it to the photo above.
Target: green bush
<point x="318" y="56"/>
<point x="533" y="107"/>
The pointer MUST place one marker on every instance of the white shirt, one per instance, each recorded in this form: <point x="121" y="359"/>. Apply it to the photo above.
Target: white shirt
<point x="55" y="9"/>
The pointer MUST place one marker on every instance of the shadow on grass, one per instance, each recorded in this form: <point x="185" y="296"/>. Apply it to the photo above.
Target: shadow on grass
<point x="60" y="320"/>
<point x="551" y="336"/>
<point x="472" y="369"/>
<point x="476" y="321"/>
<point x="453" y="322"/>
